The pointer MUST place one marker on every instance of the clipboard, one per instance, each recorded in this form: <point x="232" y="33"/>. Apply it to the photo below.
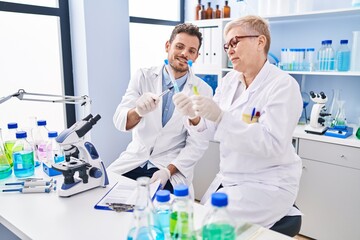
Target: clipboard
<point x="123" y="195"/>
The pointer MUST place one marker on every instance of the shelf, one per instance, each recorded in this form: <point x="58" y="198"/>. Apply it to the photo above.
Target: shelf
<point x="350" y="74"/>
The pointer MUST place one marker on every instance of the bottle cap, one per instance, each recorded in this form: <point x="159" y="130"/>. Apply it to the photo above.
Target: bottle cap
<point x="41" y="122"/>
<point x="21" y="134"/>
<point x="52" y="134"/>
<point x="310" y="49"/>
<point x="344" y="41"/>
<point x="181" y="190"/>
<point x="219" y="199"/>
<point x="12" y="125"/>
<point x="163" y="196"/>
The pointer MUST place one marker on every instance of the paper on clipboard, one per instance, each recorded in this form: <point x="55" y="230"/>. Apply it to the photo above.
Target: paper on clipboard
<point x="124" y="191"/>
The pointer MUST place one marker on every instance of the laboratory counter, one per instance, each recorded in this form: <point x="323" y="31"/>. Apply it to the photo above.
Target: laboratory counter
<point x="43" y="216"/>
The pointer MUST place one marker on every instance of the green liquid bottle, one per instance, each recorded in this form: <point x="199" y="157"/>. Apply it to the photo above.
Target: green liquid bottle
<point x="10" y="139"/>
<point x="5" y="168"/>
<point x="181" y="218"/>
<point x="218" y="223"/>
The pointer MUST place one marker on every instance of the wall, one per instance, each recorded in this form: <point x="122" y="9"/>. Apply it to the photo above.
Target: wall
<point x="101" y="60"/>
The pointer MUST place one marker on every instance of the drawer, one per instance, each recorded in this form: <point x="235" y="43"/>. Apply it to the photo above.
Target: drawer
<point x="331" y="153"/>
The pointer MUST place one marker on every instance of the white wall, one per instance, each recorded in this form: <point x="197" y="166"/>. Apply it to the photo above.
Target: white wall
<point x="101" y="61"/>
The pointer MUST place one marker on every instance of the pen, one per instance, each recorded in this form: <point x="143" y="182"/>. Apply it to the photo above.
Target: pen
<point x="252" y="114"/>
<point x="171" y="76"/>
<point x="166" y="91"/>
<point x="32" y="183"/>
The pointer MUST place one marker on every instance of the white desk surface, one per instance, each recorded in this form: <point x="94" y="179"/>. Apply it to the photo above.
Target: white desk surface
<point x="43" y="216"/>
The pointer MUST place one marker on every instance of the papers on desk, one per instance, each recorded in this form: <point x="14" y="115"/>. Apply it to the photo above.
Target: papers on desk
<point x="123" y="192"/>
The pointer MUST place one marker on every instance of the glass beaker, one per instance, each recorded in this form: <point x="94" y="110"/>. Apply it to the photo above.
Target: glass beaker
<point x="340" y="118"/>
<point x="5" y="167"/>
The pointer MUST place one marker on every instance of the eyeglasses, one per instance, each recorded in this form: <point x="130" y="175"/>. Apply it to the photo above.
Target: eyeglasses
<point x="235" y="40"/>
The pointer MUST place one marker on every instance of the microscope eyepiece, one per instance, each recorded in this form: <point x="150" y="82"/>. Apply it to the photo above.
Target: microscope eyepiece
<point x="322" y="95"/>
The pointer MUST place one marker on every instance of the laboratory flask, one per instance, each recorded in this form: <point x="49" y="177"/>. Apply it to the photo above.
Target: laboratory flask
<point x="181" y="218"/>
<point x="40" y="135"/>
<point x="340" y="118"/>
<point x="358" y="130"/>
<point x="162" y="207"/>
<point x="143" y="222"/>
<point x="5" y="168"/>
<point x="23" y="156"/>
<point x="218" y="223"/>
<point x="10" y="139"/>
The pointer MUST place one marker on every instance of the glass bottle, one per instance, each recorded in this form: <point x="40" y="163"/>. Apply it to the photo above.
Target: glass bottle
<point x="197" y="10"/>
<point x="209" y="11"/>
<point x="144" y="228"/>
<point x="40" y="135"/>
<point x="218" y="224"/>
<point x="5" y="168"/>
<point x="162" y="212"/>
<point x="343" y="56"/>
<point x="10" y="139"/>
<point x="23" y="156"/>
<point x="226" y="10"/>
<point x="202" y="13"/>
<point x="181" y="218"/>
<point x="217" y="12"/>
<point x="54" y="154"/>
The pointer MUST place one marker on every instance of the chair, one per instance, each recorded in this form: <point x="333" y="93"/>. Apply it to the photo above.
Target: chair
<point x="288" y="225"/>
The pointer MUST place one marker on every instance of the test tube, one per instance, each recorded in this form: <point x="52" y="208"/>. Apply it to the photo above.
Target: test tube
<point x="176" y="87"/>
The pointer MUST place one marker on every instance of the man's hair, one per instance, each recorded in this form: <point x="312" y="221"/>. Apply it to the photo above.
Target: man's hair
<point x="253" y="25"/>
<point x="187" y="28"/>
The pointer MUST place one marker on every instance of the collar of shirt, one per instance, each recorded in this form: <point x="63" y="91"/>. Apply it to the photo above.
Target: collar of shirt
<point x="167" y="81"/>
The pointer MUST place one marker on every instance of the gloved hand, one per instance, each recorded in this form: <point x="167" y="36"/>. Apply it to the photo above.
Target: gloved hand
<point x="163" y="175"/>
<point x="146" y="103"/>
<point x="206" y="107"/>
<point x="184" y="105"/>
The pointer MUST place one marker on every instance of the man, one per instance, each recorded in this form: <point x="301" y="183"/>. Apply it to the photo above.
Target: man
<point x="161" y="147"/>
<point x="253" y="114"/>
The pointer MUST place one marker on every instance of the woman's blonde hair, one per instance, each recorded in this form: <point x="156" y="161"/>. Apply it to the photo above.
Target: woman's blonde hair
<point x="253" y="25"/>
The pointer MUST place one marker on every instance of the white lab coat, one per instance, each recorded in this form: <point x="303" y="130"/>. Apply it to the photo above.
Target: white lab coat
<point x="150" y="140"/>
<point x="259" y="168"/>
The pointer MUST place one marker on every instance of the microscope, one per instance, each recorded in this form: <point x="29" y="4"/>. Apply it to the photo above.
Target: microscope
<point x="318" y="111"/>
<point x="81" y="159"/>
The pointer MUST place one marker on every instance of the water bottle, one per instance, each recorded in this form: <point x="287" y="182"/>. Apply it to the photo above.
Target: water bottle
<point x="181" y="218"/>
<point x="10" y="139"/>
<point x="5" y="168"/>
<point x="54" y="154"/>
<point x="23" y="156"/>
<point x="162" y="212"/>
<point x="343" y="56"/>
<point x="40" y="135"/>
<point x="218" y="224"/>
<point x="143" y="224"/>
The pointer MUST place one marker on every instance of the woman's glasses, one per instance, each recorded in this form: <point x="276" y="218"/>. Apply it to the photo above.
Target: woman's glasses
<point x="235" y="40"/>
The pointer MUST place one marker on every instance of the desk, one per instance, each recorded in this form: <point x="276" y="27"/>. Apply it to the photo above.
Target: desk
<point x="43" y="216"/>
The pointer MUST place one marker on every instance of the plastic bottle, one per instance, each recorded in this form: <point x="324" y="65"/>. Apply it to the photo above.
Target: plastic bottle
<point x="40" y="136"/>
<point x="181" y="218"/>
<point x="162" y="212"/>
<point x="10" y="139"/>
<point x="197" y="10"/>
<point x="54" y="154"/>
<point x="309" y="59"/>
<point x="343" y="56"/>
<point x="23" y="156"/>
<point x="5" y="168"/>
<point x="329" y="55"/>
<point x="321" y="56"/>
<point x="144" y="228"/>
<point x="209" y="11"/>
<point x="226" y="10"/>
<point x="217" y="12"/>
<point x="218" y="223"/>
<point x="202" y="13"/>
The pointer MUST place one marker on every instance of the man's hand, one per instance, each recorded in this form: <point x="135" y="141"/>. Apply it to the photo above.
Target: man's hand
<point x="206" y="107"/>
<point x="184" y="105"/>
<point x="163" y="175"/>
<point x="146" y="103"/>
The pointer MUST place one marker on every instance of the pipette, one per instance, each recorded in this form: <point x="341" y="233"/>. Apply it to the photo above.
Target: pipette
<point x="191" y="74"/>
<point x="166" y="91"/>
<point x="33" y="183"/>
<point x="176" y="87"/>
<point x="40" y="189"/>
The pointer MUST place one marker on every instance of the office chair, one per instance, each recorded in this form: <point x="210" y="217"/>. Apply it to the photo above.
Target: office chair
<point x="288" y="225"/>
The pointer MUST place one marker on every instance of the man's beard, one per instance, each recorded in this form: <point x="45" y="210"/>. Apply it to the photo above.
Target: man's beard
<point x="178" y="69"/>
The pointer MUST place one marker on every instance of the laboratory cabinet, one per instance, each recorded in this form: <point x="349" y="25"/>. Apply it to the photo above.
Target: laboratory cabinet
<point x="329" y="193"/>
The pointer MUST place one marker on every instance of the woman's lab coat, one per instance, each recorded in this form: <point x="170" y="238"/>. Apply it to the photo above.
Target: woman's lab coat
<point x="150" y="140"/>
<point x="259" y="168"/>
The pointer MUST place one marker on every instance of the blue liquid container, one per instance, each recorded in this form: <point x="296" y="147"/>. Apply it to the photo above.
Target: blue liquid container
<point x="343" y="56"/>
<point x="145" y="233"/>
<point x="23" y="156"/>
<point x="162" y="212"/>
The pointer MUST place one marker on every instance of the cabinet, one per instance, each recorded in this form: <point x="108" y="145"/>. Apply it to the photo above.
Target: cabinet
<point x="329" y="194"/>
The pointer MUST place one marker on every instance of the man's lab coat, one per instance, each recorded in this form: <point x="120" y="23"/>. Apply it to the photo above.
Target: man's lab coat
<point x="150" y="140"/>
<point x="259" y="168"/>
